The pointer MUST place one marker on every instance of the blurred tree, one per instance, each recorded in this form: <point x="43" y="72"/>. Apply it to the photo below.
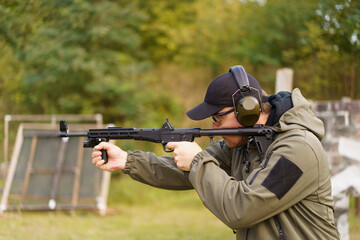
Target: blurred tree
<point x="81" y="57"/>
<point x="214" y="36"/>
<point x="255" y="34"/>
<point x="275" y="27"/>
<point x="11" y="72"/>
<point x="318" y="67"/>
<point x="341" y="26"/>
<point x="326" y="66"/>
<point x="132" y="61"/>
<point x="165" y="20"/>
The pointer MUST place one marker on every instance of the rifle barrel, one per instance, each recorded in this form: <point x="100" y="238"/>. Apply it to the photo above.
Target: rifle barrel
<point x="73" y="134"/>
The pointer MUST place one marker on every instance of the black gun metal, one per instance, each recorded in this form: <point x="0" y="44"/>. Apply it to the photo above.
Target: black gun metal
<point x="261" y="135"/>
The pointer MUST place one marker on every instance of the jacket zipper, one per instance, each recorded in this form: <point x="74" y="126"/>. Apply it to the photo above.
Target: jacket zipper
<point x="262" y="168"/>
<point x="279" y="228"/>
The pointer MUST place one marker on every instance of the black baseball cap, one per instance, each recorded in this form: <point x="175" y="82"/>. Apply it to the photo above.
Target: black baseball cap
<point x="219" y="95"/>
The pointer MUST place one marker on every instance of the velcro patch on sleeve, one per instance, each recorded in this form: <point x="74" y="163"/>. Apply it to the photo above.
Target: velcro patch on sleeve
<point x="282" y="177"/>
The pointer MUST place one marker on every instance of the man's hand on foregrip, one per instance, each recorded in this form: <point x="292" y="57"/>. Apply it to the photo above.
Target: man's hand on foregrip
<point x="184" y="153"/>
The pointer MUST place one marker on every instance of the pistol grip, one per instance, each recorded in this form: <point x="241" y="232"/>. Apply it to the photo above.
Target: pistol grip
<point x="104" y="155"/>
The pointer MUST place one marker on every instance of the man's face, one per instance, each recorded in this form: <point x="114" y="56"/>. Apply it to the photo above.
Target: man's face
<point x="229" y="121"/>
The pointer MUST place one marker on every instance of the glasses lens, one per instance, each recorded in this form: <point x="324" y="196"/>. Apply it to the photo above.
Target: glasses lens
<point x="213" y="119"/>
<point x="216" y="117"/>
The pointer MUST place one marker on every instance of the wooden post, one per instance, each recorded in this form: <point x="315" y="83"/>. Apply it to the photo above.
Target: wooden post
<point x="357" y="206"/>
<point x="284" y="80"/>
<point x="11" y="173"/>
<point x="56" y="178"/>
<point x="77" y="177"/>
<point x="28" y="170"/>
<point x="7" y="118"/>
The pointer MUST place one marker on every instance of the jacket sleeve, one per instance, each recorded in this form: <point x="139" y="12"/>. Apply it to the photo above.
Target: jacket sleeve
<point x="156" y="171"/>
<point x="286" y="176"/>
<point x="222" y="153"/>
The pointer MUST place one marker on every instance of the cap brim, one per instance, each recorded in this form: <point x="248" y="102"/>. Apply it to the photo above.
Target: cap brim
<point x="202" y="111"/>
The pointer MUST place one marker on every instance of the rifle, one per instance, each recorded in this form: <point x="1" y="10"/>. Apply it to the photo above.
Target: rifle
<point x="260" y="135"/>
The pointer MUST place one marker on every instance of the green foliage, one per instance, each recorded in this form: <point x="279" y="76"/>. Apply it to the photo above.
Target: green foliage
<point x="274" y="29"/>
<point x="166" y="20"/>
<point x="341" y="27"/>
<point x="327" y="62"/>
<point x="214" y="35"/>
<point x="81" y="57"/>
<point x="11" y="72"/>
<point x="111" y="57"/>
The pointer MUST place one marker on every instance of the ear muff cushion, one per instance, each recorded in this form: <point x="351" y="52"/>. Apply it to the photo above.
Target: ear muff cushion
<point x="248" y="111"/>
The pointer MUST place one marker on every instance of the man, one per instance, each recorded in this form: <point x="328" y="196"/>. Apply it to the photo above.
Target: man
<point x="286" y="194"/>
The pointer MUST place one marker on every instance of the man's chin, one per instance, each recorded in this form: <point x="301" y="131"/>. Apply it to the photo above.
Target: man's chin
<point x="235" y="144"/>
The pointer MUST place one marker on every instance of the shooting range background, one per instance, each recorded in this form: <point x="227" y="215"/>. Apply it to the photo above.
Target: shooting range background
<point x="51" y="173"/>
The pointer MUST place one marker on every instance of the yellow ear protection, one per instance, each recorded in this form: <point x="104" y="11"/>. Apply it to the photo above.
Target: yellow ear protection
<point x="247" y="109"/>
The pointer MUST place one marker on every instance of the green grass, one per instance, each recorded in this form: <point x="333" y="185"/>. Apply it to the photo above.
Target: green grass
<point x="136" y="212"/>
<point x="354" y="229"/>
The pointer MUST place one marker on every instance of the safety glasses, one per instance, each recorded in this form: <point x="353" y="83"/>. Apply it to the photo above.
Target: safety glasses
<point x="216" y="117"/>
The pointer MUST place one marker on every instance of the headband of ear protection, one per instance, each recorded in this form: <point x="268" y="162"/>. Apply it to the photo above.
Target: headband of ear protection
<point x="247" y="109"/>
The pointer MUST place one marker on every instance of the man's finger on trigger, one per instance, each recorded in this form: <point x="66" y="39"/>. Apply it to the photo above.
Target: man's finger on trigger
<point x="104" y="145"/>
<point x="98" y="147"/>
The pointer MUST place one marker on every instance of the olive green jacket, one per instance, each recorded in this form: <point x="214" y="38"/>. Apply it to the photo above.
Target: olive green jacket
<point x="287" y="195"/>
